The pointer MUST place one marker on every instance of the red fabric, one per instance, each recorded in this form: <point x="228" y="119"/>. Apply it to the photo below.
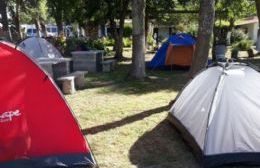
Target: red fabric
<point x="34" y="118"/>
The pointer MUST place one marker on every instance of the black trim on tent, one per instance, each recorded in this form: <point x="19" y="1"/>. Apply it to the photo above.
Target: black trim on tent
<point x="61" y="161"/>
<point x="232" y="159"/>
<point x="209" y="161"/>
<point x="187" y="137"/>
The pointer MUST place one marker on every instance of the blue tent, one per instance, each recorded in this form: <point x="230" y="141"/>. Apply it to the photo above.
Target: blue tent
<point x="180" y="39"/>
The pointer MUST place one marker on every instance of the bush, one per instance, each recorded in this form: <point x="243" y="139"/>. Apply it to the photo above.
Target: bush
<point x="128" y="30"/>
<point x="127" y="42"/>
<point x="73" y="44"/>
<point x="98" y="45"/>
<point x="237" y="35"/>
<point x="243" y="45"/>
<point x="108" y="41"/>
<point x="150" y="40"/>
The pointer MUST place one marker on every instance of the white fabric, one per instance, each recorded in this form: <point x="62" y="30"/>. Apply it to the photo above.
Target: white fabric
<point x="192" y="106"/>
<point x="39" y="48"/>
<point x="234" y="120"/>
<point x="236" y="123"/>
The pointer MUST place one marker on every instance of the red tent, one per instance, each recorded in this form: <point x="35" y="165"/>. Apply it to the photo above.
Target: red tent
<point x="37" y="128"/>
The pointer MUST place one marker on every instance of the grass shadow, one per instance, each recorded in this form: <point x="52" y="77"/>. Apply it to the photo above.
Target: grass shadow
<point x="162" y="147"/>
<point x="124" y="121"/>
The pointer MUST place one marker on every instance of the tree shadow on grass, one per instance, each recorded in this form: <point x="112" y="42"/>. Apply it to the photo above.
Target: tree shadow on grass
<point x="124" y="121"/>
<point x="118" y="81"/>
<point x="162" y="147"/>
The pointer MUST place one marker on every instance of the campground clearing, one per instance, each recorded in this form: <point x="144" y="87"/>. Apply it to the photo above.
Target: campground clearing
<point x="125" y="121"/>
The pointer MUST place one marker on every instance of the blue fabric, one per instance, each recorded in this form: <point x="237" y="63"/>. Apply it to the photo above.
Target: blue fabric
<point x="180" y="39"/>
<point x="158" y="60"/>
<point x="62" y="161"/>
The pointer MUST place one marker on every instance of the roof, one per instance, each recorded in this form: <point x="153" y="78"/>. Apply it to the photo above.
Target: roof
<point x="249" y="20"/>
<point x="182" y="39"/>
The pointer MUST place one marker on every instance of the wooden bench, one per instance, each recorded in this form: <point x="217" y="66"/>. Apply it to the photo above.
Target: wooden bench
<point x="108" y="65"/>
<point x="72" y="81"/>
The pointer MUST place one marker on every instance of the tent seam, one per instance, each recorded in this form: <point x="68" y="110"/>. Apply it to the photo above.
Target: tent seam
<point x="210" y="109"/>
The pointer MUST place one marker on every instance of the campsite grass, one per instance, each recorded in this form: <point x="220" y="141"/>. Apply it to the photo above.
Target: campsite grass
<point x="125" y="121"/>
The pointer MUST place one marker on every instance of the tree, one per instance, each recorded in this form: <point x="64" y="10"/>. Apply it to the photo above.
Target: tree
<point x="62" y="10"/>
<point x="118" y="35"/>
<point x="206" y="22"/>
<point x="138" y="58"/>
<point x="112" y="11"/>
<point x="257" y="3"/>
<point x="56" y="10"/>
<point x="3" y="12"/>
<point x="233" y="10"/>
<point x="38" y="9"/>
<point x="14" y="10"/>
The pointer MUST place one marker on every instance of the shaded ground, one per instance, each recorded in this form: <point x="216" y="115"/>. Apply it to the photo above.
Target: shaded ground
<point x="125" y="123"/>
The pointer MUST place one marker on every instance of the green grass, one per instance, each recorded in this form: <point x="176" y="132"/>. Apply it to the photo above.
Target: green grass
<point x="125" y="121"/>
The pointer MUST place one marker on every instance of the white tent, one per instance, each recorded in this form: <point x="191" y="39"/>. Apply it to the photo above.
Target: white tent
<point x="39" y="48"/>
<point x="46" y="55"/>
<point x="218" y="113"/>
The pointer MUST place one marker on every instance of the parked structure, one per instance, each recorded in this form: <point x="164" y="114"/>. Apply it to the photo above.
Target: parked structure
<point x="250" y="25"/>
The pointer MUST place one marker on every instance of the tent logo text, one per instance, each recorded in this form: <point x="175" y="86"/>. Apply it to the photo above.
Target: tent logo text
<point x="9" y="115"/>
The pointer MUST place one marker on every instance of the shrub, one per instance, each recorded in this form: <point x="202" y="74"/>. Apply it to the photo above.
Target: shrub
<point x="150" y="40"/>
<point x="108" y="41"/>
<point x="237" y="35"/>
<point x="243" y="45"/>
<point x="73" y="44"/>
<point x="127" y="42"/>
<point x="128" y="30"/>
<point x="98" y="45"/>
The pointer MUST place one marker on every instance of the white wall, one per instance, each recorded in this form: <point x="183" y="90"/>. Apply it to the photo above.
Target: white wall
<point x="252" y="30"/>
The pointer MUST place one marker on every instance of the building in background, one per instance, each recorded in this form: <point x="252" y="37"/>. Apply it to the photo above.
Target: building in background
<point x="250" y="25"/>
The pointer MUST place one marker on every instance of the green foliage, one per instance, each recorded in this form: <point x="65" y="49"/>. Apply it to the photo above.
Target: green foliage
<point x="237" y="35"/>
<point x="243" y="45"/>
<point x="72" y="44"/>
<point x="192" y="29"/>
<point x="150" y="40"/>
<point x="127" y="42"/>
<point x="128" y="31"/>
<point x="31" y="9"/>
<point x="108" y="41"/>
<point x="229" y="10"/>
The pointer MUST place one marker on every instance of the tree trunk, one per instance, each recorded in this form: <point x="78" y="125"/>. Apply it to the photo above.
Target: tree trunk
<point x="59" y="19"/>
<point x="59" y="25"/>
<point x="257" y="3"/>
<point x="231" y="23"/>
<point x="206" y="22"/>
<point x="114" y="33"/>
<point x="43" y="27"/>
<point x="146" y="29"/>
<point x="138" y="59"/>
<point x="37" y="26"/>
<point x="17" y="19"/>
<point x="3" y="12"/>
<point x="118" y="35"/>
